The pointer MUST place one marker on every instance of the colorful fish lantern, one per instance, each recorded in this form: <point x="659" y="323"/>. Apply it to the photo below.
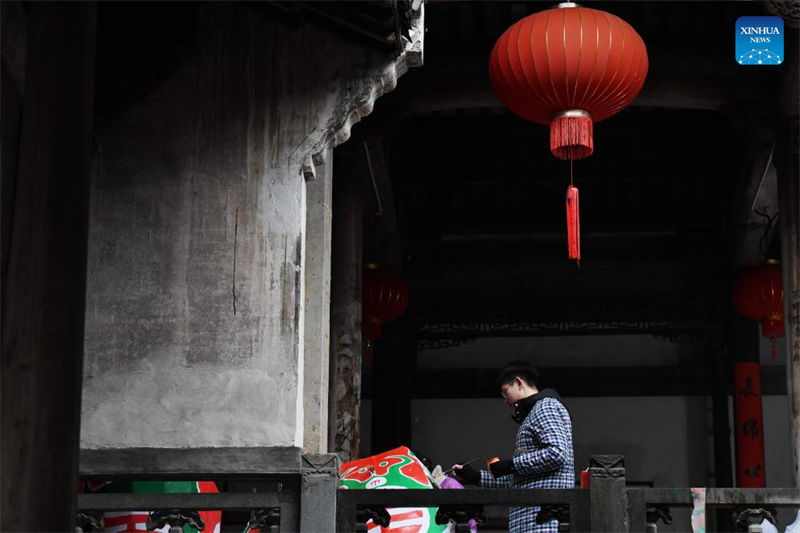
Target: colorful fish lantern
<point x="395" y="469"/>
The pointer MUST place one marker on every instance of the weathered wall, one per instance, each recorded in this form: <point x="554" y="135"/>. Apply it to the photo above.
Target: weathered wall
<point x="195" y="305"/>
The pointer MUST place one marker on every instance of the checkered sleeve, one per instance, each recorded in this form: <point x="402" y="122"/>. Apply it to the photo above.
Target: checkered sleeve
<point x="488" y="481"/>
<point x="552" y="438"/>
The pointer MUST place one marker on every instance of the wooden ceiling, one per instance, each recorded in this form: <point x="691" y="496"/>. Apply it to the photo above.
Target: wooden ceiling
<point x="480" y="201"/>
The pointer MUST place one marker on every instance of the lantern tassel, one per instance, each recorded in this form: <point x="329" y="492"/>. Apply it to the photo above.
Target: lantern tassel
<point x="774" y="350"/>
<point x="571" y="136"/>
<point x="573" y="224"/>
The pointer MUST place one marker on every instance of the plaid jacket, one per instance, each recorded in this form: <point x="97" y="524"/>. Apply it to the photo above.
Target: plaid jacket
<point x="543" y="460"/>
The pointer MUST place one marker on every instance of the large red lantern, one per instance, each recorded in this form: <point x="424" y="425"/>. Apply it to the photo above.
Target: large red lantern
<point x="569" y="67"/>
<point x="384" y="298"/>
<point x="758" y="294"/>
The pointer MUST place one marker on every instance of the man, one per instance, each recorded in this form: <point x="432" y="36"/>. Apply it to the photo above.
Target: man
<point x="543" y="458"/>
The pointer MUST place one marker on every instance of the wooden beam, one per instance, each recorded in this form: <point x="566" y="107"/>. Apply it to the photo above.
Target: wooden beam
<point x="674" y="82"/>
<point x="473" y="317"/>
<point x="226" y="501"/>
<point x="438" y="2"/>
<point x="188" y="463"/>
<point x="582" y="382"/>
<point x="43" y="322"/>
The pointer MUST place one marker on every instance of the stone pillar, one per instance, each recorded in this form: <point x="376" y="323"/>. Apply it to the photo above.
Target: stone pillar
<point x="319" y="486"/>
<point x="43" y="323"/>
<point x="319" y="199"/>
<point x="345" y="363"/>
<point x="609" y="500"/>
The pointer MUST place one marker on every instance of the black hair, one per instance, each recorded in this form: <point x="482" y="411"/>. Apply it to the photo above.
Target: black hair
<point x="518" y="369"/>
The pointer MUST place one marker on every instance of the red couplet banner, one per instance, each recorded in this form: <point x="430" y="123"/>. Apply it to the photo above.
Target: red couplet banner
<point x="749" y="425"/>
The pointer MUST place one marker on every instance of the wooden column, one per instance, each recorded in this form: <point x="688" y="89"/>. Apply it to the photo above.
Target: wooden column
<point x="10" y="126"/>
<point x="346" y="265"/>
<point x="392" y="365"/>
<point x="722" y="431"/>
<point x="787" y="159"/>
<point x="742" y="339"/>
<point x="42" y="358"/>
<point x="723" y="461"/>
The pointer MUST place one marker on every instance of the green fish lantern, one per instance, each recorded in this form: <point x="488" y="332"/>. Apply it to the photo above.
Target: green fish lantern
<point x="395" y="469"/>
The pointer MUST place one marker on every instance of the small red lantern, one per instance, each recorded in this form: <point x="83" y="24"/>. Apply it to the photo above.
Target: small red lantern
<point x="758" y="294"/>
<point x="384" y="298"/>
<point x="569" y="67"/>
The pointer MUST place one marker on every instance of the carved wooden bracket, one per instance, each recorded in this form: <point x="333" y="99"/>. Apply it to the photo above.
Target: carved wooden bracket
<point x="607" y="466"/>
<point x="326" y="464"/>
<point x="175" y="518"/>
<point x="311" y="152"/>
<point x="86" y="521"/>
<point x="788" y="10"/>
<point x="744" y="518"/>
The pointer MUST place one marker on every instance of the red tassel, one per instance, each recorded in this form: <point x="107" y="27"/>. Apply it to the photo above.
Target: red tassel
<point x="573" y="224"/>
<point x="571" y="137"/>
<point x="774" y="350"/>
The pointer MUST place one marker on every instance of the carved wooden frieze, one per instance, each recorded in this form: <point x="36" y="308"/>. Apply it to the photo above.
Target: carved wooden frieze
<point x="788" y="10"/>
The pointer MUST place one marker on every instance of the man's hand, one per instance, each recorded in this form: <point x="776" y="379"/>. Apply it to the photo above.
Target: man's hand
<point x="466" y="474"/>
<point x="502" y="468"/>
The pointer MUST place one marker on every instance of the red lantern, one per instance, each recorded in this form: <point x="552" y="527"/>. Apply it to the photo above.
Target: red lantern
<point x="569" y="67"/>
<point x="758" y="294"/>
<point x="384" y="298"/>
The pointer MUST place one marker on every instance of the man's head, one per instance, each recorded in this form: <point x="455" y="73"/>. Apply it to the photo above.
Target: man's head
<point x="518" y="380"/>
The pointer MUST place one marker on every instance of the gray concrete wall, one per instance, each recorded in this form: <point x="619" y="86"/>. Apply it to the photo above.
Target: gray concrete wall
<point x="196" y="286"/>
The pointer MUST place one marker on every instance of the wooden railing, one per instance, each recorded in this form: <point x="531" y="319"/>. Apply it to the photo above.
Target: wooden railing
<point x="313" y="503"/>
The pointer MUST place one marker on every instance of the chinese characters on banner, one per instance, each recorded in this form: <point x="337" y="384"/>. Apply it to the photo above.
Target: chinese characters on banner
<point x="749" y="425"/>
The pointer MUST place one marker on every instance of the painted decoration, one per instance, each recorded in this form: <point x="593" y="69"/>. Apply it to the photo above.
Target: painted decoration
<point x="395" y="469"/>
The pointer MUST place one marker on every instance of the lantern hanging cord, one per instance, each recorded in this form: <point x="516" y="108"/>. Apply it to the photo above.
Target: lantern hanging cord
<point x="570" y="172"/>
<point x="372" y="176"/>
<point x="769" y="228"/>
<point x="379" y="212"/>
